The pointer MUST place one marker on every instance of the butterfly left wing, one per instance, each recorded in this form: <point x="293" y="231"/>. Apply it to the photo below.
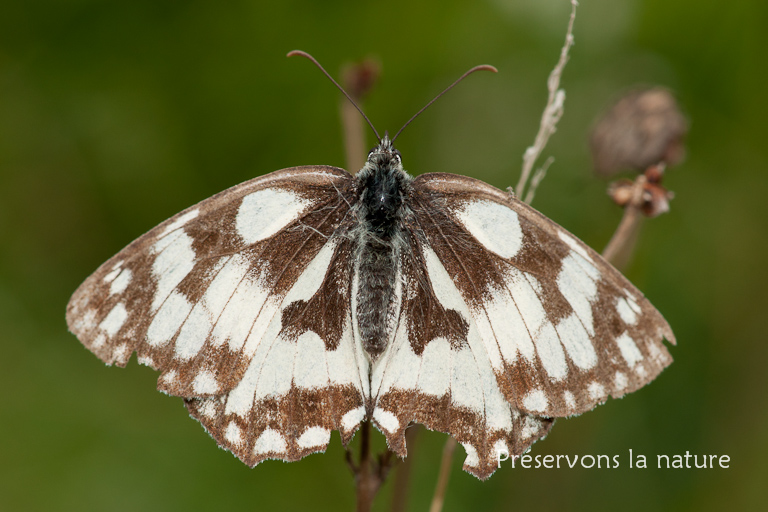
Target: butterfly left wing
<point x="512" y="312"/>
<point x="234" y="301"/>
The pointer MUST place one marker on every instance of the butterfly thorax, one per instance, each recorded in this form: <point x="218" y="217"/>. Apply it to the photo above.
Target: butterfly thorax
<point x="383" y="185"/>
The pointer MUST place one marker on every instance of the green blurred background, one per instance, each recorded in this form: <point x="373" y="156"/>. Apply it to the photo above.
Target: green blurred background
<point x="114" y="116"/>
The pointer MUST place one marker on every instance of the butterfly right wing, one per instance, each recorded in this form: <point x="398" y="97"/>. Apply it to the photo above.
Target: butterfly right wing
<point x="507" y="322"/>
<point x="233" y="301"/>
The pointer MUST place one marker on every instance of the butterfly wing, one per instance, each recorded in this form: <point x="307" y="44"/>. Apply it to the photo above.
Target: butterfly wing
<point x="435" y="372"/>
<point x="233" y="302"/>
<point x="534" y="323"/>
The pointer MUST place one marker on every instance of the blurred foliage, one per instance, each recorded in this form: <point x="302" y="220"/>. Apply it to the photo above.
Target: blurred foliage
<point x="116" y="115"/>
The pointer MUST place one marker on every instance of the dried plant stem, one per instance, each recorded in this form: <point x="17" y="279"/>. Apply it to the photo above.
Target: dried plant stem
<point x="354" y="136"/>
<point x="403" y="473"/>
<point x="553" y="111"/>
<point x="357" y="80"/>
<point x="620" y="246"/>
<point x="442" y="478"/>
<point x="537" y="177"/>
<point x="365" y="491"/>
<point x="369" y="473"/>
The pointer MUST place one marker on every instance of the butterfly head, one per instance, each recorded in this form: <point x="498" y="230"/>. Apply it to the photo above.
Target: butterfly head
<point x="385" y="157"/>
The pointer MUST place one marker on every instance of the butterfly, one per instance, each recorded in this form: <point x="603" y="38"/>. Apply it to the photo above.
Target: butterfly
<point x="310" y="300"/>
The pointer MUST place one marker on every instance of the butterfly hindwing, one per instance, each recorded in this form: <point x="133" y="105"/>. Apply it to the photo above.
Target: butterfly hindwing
<point x="305" y="378"/>
<point x="233" y="300"/>
<point x="562" y="328"/>
<point x="435" y="371"/>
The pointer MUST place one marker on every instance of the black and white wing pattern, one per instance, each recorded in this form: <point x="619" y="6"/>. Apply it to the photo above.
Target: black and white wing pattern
<point x="309" y="300"/>
<point x="242" y="303"/>
<point x="506" y="321"/>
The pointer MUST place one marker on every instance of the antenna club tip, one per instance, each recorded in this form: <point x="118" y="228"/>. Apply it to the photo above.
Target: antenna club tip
<point x="487" y="67"/>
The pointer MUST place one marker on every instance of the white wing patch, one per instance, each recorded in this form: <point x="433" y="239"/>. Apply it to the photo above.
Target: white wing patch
<point x="435" y="376"/>
<point x="386" y="419"/>
<point x="576" y="341"/>
<point x="174" y="261"/>
<point x="620" y="381"/>
<point x="596" y="390"/>
<point x="629" y="350"/>
<point x="314" y="436"/>
<point x="472" y="459"/>
<point x="267" y="211"/>
<point x="246" y="312"/>
<point x="310" y="370"/>
<point x="347" y="364"/>
<point x="577" y="282"/>
<point x="114" y="320"/>
<point x="112" y="274"/>
<point x="180" y="222"/>
<point x="628" y="311"/>
<point x="233" y="434"/>
<point x="121" y="282"/>
<point x="312" y="277"/>
<point x="493" y="225"/>
<point x="205" y="383"/>
<point x="168" y="320"/>
<point x="270" y="441"/>
<point x="503" y="329"/>
<point x="536" y="401"/>
<point x="352" y="418"/>
<point x="569" y="399"/>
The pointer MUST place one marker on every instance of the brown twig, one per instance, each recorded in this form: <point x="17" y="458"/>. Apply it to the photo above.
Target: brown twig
<point x="403" y="473"/>
<point x="363" y="476"/>
<point x="369" y="473"/>
<point x="620" y="246"/>
<point x="358" y="79"/>
<point x="354" y="138"/>
<point x="442" y="478"/>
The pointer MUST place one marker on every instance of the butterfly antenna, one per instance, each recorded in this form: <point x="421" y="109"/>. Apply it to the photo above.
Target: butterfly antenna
<point x="484" y="67"/>
<point x="308" y="56"/>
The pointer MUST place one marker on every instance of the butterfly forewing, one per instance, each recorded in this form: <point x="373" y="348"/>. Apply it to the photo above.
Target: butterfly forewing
<point x="223" y="299"/>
